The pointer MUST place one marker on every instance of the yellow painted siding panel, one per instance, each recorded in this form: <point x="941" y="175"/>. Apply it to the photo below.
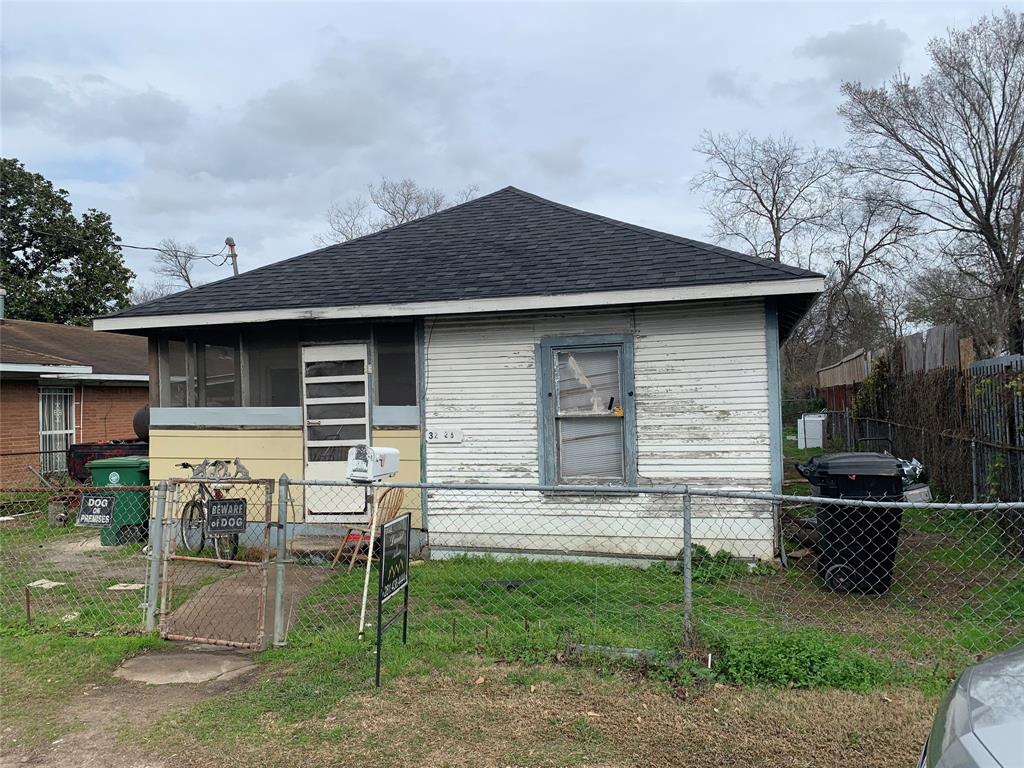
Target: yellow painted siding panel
<point x="407" y="441"/>
<point x="269" y="453"/>
<point x="266" y="453"/>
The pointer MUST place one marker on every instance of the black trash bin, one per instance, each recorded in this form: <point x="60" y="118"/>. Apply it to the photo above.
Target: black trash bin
<point x="857" y="545"/>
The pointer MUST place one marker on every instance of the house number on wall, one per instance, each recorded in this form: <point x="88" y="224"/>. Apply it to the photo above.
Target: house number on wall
<point x="452" y="435"/>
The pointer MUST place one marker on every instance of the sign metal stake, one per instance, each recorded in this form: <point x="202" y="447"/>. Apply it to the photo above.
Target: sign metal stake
<point x="394" y="578"/>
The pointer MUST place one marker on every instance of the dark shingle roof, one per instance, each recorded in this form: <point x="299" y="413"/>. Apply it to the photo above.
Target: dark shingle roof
<point x="507" y="243"/>
<point x="29" y="342"/>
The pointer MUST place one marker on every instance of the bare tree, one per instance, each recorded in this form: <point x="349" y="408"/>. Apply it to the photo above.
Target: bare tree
<point x="869" y="240"/>
<point x="783" y="202"/>
<point x="771" y="195"/>
<point x="390" y="203"/>
<point x="141" y="293"/>
<point x="176" y="262"/>
<point x="952" y="148"/>
<point x="941" y="295"/>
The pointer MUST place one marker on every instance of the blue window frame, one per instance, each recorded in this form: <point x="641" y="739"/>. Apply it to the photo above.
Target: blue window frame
<point x="586" y="410"/>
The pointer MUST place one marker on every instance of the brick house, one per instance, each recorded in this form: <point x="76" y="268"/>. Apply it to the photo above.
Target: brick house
<point x="62" y="384"/>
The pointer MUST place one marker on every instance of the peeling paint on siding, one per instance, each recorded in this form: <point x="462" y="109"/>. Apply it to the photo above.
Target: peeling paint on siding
<point x="701" y="384"/>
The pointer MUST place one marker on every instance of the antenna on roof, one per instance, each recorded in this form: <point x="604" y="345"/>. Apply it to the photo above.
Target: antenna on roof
<point x="230" y="243"/>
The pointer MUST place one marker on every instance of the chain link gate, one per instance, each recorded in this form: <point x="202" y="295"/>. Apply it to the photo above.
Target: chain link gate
<point x="216" y="547"/>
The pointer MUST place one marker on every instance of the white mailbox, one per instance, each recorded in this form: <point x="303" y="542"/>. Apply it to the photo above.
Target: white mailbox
<point x="366" y="463"/>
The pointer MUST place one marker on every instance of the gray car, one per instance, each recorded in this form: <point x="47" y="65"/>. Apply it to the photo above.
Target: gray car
<point x="980" y="723"/>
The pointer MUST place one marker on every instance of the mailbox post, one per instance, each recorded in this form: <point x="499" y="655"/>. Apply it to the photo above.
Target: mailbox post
<point x="367" y="465"/>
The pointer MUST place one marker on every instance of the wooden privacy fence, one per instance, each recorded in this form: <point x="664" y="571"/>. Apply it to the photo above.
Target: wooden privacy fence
<point x="966" y="426"/>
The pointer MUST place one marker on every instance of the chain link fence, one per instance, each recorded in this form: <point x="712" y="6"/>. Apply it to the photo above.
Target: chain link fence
<point x="214" y="558"/>
<point x="528" y="572"/>
<point x="59" y="572"/>
<point x="519" y="570"/>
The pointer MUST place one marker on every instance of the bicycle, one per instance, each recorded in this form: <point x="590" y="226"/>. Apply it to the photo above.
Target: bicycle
<point x="193" y="514"/>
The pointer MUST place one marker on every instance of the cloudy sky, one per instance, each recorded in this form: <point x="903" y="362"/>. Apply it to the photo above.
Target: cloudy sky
<point x="197" y="121"/>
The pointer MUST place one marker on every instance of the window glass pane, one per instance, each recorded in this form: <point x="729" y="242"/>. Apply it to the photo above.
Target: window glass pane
<point x="337" y="432"/>
<point x="273" y="374"/>
<point x="328" y="453"/>
<point x="221" y="381"/>
<point x="336" y="411"/>
<point x="337" y="389"/>
<point x="396" y="363"/>
<point x="177" y="373"/>
<point x="590" y="448"/>
<point x="588" y="380"/>
<point x="335" y="368"/>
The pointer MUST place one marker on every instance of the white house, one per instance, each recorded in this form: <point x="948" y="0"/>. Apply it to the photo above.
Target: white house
<point x="508" y="340"/>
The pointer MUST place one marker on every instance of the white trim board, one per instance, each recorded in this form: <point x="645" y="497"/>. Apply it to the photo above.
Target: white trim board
<point x="468" y="306"/>
<point x="127" y="378"/>
<point x="225" y="417"/>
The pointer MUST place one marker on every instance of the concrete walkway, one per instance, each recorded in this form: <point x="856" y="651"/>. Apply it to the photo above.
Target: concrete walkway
<point x="227" y="609"/>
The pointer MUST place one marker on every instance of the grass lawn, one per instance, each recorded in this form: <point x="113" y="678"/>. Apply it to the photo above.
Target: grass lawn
<point x="316" y="705"/>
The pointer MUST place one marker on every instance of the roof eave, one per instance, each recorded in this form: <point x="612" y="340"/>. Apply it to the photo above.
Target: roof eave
<point x="779" y="287"/>
<point x="35" y="369"/>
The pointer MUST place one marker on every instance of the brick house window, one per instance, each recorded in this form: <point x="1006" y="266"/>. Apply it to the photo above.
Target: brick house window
<point x="56" y="427"/>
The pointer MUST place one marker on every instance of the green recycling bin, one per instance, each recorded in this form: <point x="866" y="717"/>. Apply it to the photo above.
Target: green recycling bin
<point x="131" y="508"/>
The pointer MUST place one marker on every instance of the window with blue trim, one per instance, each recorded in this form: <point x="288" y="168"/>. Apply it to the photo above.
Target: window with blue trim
<point x="587" y="412"/>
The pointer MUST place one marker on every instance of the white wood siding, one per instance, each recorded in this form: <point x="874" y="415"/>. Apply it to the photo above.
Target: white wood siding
<point x="702" y="418"/>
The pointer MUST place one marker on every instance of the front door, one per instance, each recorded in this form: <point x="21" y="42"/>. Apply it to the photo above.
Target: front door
<point x="335" y="386"/>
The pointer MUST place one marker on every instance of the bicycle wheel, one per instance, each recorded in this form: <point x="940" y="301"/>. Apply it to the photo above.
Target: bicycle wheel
<point x="225" y="547"/>
<point x="193" y="538"/>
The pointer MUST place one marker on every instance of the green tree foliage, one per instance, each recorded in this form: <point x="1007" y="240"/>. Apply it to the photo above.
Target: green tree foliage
<point x="56" y="267"/>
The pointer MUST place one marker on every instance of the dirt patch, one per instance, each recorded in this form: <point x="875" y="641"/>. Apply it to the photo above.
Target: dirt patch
<point x="96" y="717"/>
<point x="84" y="560"/>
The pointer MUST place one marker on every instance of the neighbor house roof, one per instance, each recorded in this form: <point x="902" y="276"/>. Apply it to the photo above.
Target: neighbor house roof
<point x="29" y="347"/>
<point x="508" y="244"/>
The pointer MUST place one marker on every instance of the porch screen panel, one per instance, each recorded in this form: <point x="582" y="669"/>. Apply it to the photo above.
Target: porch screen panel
<point x="177" y="374"/>
<point x="274" y="372"/>
<point x="221" y="375"/>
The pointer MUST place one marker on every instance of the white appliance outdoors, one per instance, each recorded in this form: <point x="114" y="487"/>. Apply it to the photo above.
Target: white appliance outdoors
<point x="810" y="430"/>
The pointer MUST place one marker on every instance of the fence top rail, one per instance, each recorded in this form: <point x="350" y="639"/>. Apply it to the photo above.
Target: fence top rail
<point x="665" y="490"/>
<point x="70" y="490"/>
<point x="585" y="490"/>
<point x="220" y="481"/>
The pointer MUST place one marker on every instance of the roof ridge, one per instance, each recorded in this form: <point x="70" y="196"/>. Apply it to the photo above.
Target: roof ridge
<point x="770" y="263"/>
<point x="42" y="354"/>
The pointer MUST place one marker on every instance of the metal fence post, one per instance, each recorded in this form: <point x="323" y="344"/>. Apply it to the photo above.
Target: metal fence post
<point x="156" y="542"/>
<point x="974" y="471"/>
<point x="282" y="553"/>
<point x="688" y="633"/>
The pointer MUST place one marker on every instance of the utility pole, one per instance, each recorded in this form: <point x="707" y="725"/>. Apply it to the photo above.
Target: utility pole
<point x="230" y="243"/>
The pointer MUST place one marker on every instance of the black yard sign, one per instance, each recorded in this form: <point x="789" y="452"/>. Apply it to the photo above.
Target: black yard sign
<point x="224" y="516"/>
<point x="96" y="510"/>
<point x="394" y="578"/>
